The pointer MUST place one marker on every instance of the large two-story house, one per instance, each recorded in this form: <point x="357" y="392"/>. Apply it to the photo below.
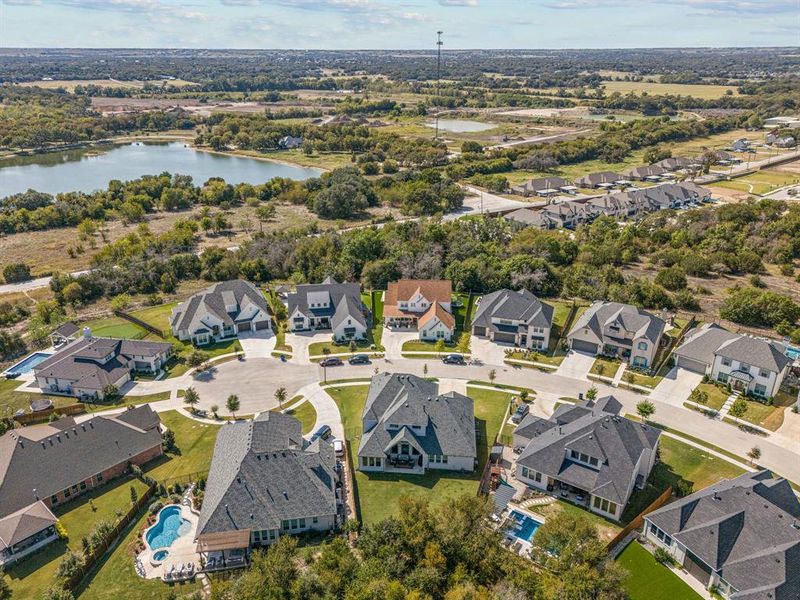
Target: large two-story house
<point x="739" y="536"/>
<point x="87" y="366"/>
<point x="409" y="427"/>
<point x="514" y="317"/>
<point x="421" y="304"/>
<point x="587" y="451"/>
<point x="753" y="365"/>
<point x="221" y="312"/>
<point x="329" y="305"/>
<point x="620" y="330"/>
<point x="265" y="482"/>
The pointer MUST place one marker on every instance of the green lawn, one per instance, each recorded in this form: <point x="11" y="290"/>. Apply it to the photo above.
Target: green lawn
<point x="318" y="348"/>
<point x="157" y="316"/>
<point x="606" y="528"/>
<point x="374" y="301"/>
<point x="425" y="346"/>
<point x="11" y="401"/>
<point x="377" y="493"/>
<point x="305" y="413"/>
<point x="115" y="327"/>
<point x="538" y="357"/>
<point x="127" y="401"/>
<point x="649" y="381"/>
<point x="36" y="573"/>
<point x="607" y="367"/>
<point x="648" y="580"/>
<point x="717" y="395"/>
<point x="195" y="442"/>
<point x="764" y="415"/>
<point x="696" y="466"/>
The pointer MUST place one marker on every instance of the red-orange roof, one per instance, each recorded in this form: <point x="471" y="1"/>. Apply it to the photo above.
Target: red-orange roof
<point x="434" y="290"/>
<point x="438" y="311"/>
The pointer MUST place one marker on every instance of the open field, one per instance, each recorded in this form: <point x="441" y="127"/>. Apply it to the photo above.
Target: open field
<point x="649" y="580"/>
<point x="706" y="92"/>
<point x="761" y="182"/>
<point x="71" y="84"/>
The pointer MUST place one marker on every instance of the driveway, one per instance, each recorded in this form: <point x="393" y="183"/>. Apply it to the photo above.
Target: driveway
<point x="576" y="365"/>
<point x="393" y="341"/>
<point x="257" y="344"/>
<point x="301" y="341"/>
<point x="676" y="386"/>
<point x="327" y="411"/>
<point x="488" y="352"/>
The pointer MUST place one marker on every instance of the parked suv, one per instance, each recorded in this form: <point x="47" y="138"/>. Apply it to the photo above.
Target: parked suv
<point x="323" y="432"/>
<point x="519" y="414"/>
<point x="454" y="359"/>
<point x="359" y="359"/>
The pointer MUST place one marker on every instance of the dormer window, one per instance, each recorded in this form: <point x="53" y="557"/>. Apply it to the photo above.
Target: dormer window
<point x="584" y="458"/>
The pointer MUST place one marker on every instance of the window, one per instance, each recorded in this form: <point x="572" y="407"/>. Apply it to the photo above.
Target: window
<point x="371" y="461"/>
<point x="257" y="536"/>
<point x="642" y="345"/>
<point x="285" y="525"/>
<point x="760" y="390"/>
<point x="302" y="523"/>
<point x="67" y="493"/>
<point x="83" y="485"/>
<point x="763" y="373"/>
<point x="744" y="367"/>
<point x="604" y="505"/>
<point x="54" y="499"/>
<point x="667" y="540"/>
<point x="593" y="461"/>
<point x="315" y="520"/>
<point x="726" y="361"/>
<point x="294" y="523"/>
<point x="722" y="377"/>
<point x="99" y="477"/>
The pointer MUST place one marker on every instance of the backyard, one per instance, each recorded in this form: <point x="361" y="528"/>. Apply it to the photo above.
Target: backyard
<point x="377" y="493"/>
<point x="649" y="580"/>
<point x="195" y="443"/>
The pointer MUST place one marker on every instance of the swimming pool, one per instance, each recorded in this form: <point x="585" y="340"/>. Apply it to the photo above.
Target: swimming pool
<point x="26" y="364"/>
<point x="793" y="353"/>
<point x="168" y="528"/>
<point x="525" y="526"/>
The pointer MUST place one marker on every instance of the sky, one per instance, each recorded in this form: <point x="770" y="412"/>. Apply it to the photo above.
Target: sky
<point x="391" y="24"/>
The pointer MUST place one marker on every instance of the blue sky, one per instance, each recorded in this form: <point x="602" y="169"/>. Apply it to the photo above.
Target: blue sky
<point x="343" y="24"/>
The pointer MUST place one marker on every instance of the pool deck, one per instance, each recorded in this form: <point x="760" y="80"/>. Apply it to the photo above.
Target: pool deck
<point x="182" y="551"/>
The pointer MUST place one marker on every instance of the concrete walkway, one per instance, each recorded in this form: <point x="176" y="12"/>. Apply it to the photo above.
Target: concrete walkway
<point x="618" y="375"/>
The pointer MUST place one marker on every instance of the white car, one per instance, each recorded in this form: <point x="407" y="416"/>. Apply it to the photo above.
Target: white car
<point x="338" y="447"/>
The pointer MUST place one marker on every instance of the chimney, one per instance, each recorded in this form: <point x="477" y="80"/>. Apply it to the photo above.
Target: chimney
<point x="87" y="333"/>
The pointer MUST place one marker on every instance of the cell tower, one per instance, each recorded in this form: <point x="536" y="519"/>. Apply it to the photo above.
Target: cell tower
<point x="439" y="43"/>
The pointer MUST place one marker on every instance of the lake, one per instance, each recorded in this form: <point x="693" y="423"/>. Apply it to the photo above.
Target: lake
<point x="461" y="126"/>
<point x="84" y="170"/>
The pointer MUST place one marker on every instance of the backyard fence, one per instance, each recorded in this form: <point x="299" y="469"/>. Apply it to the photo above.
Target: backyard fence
<point x="567" y="324"/>
<point x="352" y="505"/>
<point x="155" y="330"/>
<point x="97" y="553"/>
<point x="674" y="344"/>
<point x="42" y="416"/>
<point x="638" y="520"/>
<point x="183" y="480"/>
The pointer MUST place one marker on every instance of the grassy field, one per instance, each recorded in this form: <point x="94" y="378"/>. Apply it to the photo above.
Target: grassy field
<point x="706" y="92"/>
<point x="760" y="182"/>
<point x="769" y="417"/>
<point x="637" y="378"/>
<point x="649" y="580"/>
<point x="698" y="467"/>
<point x="37" y="572"/>
<point x="606" y="528"/>
<point x="127" y="401"/>
<point x="305" y="413"/>
<point x="195" y="442"/>
<point x="377" y="493"/>
<point x="157" y="316"/>
<point x="11" y="401"/>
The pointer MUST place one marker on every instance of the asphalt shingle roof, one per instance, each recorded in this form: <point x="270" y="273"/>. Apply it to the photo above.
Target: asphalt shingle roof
<point x="710" y="340"/>
<point x="188" y="315"/>
<point x="345" y="301"/>
<point x="519" y="305"/>
<point x="634" y="320"/>
<point x="25" y="522"/>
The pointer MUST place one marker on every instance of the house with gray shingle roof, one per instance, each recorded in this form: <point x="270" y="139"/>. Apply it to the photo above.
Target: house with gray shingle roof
<point x="514" y="317"/>
<point x="527" y="217"/>
<point x="329" y="305"/>
<point x="753" y="365"/>
<point x="604" y="179"/>
<point x="86" y="367"/>
<point x="620" y="330"/>
<point x="265" y="482"/>
<point x="409" y="427"/>
<point x="740" y="536"/>
<point x="545" y="186"/>
<point x="221" y="312"/>
<point x="47" y="465"/>
<point x="588" y="452"/>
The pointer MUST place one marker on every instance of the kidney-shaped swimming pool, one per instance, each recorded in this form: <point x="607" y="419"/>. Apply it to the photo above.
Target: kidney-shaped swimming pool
<point x="168" y="528"/>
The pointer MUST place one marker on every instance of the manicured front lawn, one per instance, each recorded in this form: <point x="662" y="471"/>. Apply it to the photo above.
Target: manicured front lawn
<point x="305" y="413"/>
<point x="115" y="327"/>
<point x="318" y="348"/>
<point x="537" y="357"/>
<point x="717" y="395"/>
<point x="696" y="466"/>
<point x="424" y="346"/>
<point x="637" y="378"/>
<point x="649" y="580"/>
<point x="607" y="367"/>
<point x="377" y="493"/>
<point x="195" y="442"/>
<point x="36" y="573"/>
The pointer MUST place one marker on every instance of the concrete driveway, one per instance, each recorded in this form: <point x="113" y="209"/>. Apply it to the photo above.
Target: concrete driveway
<point x="488" y="352"/>
<point x="676" y="386"/>
<point x="257" y="344"/>
<point x="393" y="340"/>
<point x="301" y="341"/>
<point x="576" y="365"/>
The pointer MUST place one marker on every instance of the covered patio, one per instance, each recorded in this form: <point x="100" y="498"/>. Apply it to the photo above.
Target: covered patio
<point x="224" y="550"/>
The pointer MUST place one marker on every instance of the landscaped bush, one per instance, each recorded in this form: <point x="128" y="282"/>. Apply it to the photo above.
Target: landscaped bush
<point x="70" y="565"/>
<point x="62" y="531"/>
<point x="663" y="557"/>
<point x="155" y="507"/>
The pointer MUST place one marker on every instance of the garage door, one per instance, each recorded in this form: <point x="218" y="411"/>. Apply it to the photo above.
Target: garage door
<point x="507" y="338"/>
<point x="690" y="365"/>
<point x="481" y="331"/>
<point x="244" y="326"/>
<point x="262" y="325"/>
<point x="697" y="568"/>
<point x="583" y="346"/>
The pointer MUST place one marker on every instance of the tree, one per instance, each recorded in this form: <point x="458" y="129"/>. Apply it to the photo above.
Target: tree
<point x="592" y="393"/>
<point x="70" y="565"/>
<point x="600" y="368"/>
<point x="134" y="495"/>
<point x="110" y="393"/>
<point x="464" y="343"/>
<point x="196" y="358"/>
<point x="492" y="375"/>
<point x="120" y="302"/>
<point x="233" y="405"/>
<point x="739" y="408"/>
<point x="699" y="396"/>
<point x="645" y="409"/>
<point x="56" y="592"/>
<point x="265" y="213"/>
<point x="439" y="346"/>
<point x="191" y="398"/>
<point x="14" y="272"/>
<point x="523" y="396"/>
<point x="754" y="454"/>
<point x="280" y="396"/>
<point x="214" y="408"/>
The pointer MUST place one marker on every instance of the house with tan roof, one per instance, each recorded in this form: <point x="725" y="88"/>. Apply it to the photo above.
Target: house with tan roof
<point x="421" y="304"/>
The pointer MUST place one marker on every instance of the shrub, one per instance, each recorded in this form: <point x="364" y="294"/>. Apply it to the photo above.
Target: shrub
<point x="663" y="557"/>
<point x="62" y="531"/>
<point x="682" y="488"/>
<point x="70" y="565"/>
<point x="15" y="272"/>
<point x="155" y="507"/>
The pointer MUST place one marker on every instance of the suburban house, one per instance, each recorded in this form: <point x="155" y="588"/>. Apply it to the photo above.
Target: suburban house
<point x="546" y="186"/>
<point x="567" y="214"/>
<point x="741" y="145"/>
<point x="422" y="304"/>
<point x="290" y="142"/>
<point x="44" y="466"/>
<point x="604" y="179"/>
<point x="780" y="141"/>
<point x="587" y="453"/>
<point x="514" y="317"/>
<point x="410" y="428"/>
<point x="64" y="334"/>
<point x="329" y="305"/>
<point x="85" y="367"/>
<point x="739" y="536"/>
<point x="648" y="173"/>
<point x="221" y="312"/>
<point x="265" y="482"/>
<point x="619" y="330"/>
<point x="676" y="163"/>
<point x="753" y="365"/>
<point x="527" y="217"/>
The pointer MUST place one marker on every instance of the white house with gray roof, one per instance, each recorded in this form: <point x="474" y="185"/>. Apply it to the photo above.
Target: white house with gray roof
<point x="514" y="317"/>
<point x="740" y="536"/>
<point x="409" y="427"/>
<point x="753" y="365"/>
<point x="221" y="312"/>
<point x="587" y="452"/>
<point x="329" y="305"/>
<point x="265" y="482"/>
<point x="619" y="330"/>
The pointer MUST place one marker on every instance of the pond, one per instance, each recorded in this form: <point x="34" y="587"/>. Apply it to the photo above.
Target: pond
<point x="461" y="126"/>
<point x="87" y="170"/>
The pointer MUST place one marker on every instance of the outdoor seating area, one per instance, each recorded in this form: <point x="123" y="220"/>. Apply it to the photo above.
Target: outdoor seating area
<point x="179" y="572"/>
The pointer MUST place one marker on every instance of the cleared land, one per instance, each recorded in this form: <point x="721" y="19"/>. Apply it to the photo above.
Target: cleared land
<point x="71" y="84"/>
<point x="707" y="92"/>
<point x="761" y="182"/>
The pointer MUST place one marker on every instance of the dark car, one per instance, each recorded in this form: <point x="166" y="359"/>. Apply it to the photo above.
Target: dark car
<point x="323" y="432"/>
<point x="359" y="359"/>
<point x="331" y="361"/>
<point x="519" y="414"/>
<point x="454" y="359"/>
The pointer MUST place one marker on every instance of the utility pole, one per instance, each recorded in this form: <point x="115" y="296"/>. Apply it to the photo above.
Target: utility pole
<point x="439" y="43"/>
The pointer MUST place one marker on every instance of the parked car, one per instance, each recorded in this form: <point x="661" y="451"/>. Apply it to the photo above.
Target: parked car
<point x="359" y="359"/>
<point x="324" y="432"/>
<point x="338" y="447"/>
<point x="519" y="414"/>
<point x="331" y="361"/>
<point x="454" y="359"/>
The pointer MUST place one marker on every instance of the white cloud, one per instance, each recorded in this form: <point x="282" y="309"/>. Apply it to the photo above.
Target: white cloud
<point x="458" y="2"/>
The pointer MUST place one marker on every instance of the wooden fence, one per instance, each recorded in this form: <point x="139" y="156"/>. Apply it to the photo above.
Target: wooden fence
<point x="638" y="521"/>
<point x="41" y="416"/>
<point x="146" y="326"/>
<point x="184" y="480"/>
<point x="97" y="553"/>
<point x="674" y="344"/>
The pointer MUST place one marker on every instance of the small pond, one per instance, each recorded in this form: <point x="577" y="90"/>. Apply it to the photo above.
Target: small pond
<point x="461" y="126"/>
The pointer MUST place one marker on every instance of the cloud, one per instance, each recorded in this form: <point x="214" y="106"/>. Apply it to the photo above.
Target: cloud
<point x="458" y="2"/>
<point x="700" y="6"/>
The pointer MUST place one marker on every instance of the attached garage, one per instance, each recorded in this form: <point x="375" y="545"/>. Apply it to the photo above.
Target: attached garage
<point x="690" y="364"/>
<point x="243" y="326"/>
<point x="262" y="325"/>
<point x="479" y="331"/>
<point x="505" y="338"/>
<point x="697" y="568"/>
<point x="584" y="346"/>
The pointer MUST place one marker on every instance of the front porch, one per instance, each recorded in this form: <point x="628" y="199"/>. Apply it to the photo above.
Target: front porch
<point x="402" y="323"/>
